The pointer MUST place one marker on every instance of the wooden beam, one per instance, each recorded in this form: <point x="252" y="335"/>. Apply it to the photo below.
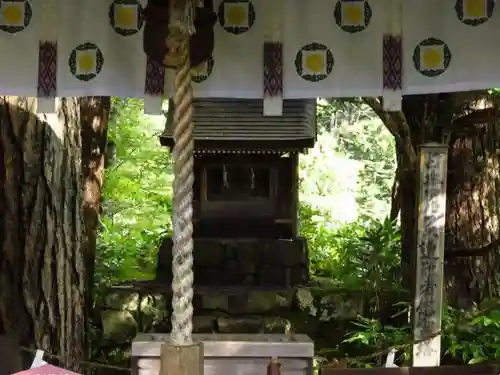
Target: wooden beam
<point x="429" y="259"/>
<point x="442" y="370"/>
<point x="294" y="209"/>
<point x="475" y="118"/>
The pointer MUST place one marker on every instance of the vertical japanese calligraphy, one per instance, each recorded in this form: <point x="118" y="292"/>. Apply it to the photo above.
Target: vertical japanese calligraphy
<point x="429" y="257"/>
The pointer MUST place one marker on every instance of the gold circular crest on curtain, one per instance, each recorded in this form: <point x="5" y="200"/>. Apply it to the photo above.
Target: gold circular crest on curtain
<point x="314" y="62"/>
<point x="431" y="57"/>
<point x="86" y="61"/>
<point x="474" y="12"/>
<point x="236" y="16"/>
<point x="126" y="16"/>
<point x="15" y="15"/>
<point x="352" y="16"/>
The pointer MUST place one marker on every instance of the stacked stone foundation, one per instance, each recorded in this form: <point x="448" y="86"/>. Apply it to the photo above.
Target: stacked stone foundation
<point x="236" y="262"/>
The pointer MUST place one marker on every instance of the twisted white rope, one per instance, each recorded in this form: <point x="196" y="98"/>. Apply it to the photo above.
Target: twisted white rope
<point x="183" y="155"/>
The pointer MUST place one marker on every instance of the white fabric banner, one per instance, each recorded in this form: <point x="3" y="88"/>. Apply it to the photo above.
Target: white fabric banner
<point x="343" y="38"/>
<point x="450" y="45"/>
<point x="237" y="64"/>
<point x="332" y="48"/>
<point x="19" y="45"/>
<point x="100" y="49"/>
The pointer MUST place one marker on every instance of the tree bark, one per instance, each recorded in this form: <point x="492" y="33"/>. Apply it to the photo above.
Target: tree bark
<point x="42" y="265"/>
<point x="94" y="123"/>
<point x="395" y="198"/>
<point x="473" y="189"/>
<point x="473" y="217"/>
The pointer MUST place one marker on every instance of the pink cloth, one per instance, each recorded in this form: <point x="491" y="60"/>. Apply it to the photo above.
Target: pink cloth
<point x="46" y="370"/>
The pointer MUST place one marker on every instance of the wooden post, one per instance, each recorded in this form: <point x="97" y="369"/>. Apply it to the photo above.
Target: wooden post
<point x="428" y="299"/>
<point x="182" y="359"/>
<point x="294" y="209"/>
<point x="479" y="369"/>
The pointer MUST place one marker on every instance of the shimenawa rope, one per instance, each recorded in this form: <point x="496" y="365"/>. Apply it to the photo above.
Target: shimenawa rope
<point x="180" y="29"/>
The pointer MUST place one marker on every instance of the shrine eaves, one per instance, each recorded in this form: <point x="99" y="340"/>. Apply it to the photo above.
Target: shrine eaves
<point x="329" y="48"/>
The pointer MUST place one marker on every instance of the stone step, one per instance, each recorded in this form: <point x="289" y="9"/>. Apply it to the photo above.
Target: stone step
<point x="221" y="299"/>
<point x="249" y="324"/>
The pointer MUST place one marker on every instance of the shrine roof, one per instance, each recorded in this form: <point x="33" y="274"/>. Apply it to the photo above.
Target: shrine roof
<point x="235" y="146"/>
<point x="240" y="124"/>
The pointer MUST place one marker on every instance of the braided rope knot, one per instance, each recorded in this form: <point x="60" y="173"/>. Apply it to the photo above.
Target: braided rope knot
<point x="176" y="51"/>
<point x="180" y="28"/>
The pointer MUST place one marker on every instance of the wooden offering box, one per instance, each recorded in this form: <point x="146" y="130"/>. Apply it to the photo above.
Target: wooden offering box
<point x="232" y="354"/>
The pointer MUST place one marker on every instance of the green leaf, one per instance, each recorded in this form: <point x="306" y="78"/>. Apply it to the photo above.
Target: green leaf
<point x="477" y="360"/>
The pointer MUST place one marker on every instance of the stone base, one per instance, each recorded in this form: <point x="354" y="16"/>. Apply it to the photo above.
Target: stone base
<point x="222" y="262"/>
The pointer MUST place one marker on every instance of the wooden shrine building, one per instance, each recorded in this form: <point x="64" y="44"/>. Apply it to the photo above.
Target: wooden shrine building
<point x="246" y="193"/>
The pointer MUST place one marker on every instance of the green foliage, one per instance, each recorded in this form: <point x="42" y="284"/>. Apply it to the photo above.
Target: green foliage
<point x="350" y="171"/>
<point x="473" y="336"/>
<point x="468" y="337"/>
<point x="362" y="255"/>
<point x="374" y="336"/>
<point x="372" y="145"/>
<point x="352" y="165"/>
<point x="137" y="197"/>
<point x="328" y="182"/>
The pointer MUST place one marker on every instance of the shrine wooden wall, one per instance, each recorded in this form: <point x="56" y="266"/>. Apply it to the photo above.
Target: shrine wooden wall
<point x="274" y="216"/>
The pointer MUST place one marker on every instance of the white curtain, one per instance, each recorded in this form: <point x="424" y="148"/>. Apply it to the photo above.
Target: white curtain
<point x="331" y="48"/>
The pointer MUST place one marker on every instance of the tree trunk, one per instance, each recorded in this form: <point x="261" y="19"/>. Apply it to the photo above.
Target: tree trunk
<point x="408" y="212"/>
<point x="42" y="266"/>
<point x="473" y="217"/>
<point x="94" y="123"/>
<point x="473" y="188"/>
